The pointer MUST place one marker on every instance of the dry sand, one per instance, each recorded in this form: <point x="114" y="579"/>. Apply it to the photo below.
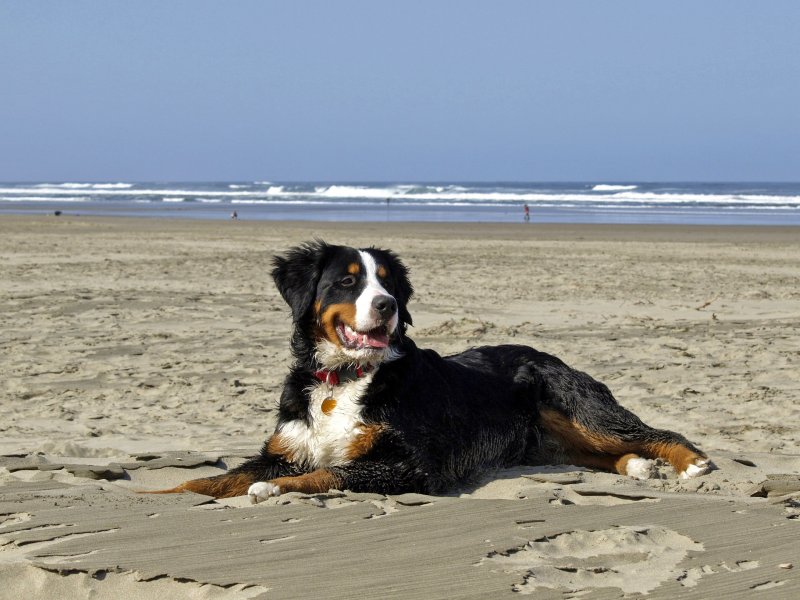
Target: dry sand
<point x="140" y="353"/>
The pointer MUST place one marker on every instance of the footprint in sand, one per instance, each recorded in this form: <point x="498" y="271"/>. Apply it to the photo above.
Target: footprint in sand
<point x="633" y="559"/>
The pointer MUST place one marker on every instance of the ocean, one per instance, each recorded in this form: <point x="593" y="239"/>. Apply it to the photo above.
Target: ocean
<point x="625" y="202"/>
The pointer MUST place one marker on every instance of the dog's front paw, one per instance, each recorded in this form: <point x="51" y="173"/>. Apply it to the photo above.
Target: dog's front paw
<point x="641" y="468"/>
<point x="261" y="490"/>
<point x="700" y="466"/>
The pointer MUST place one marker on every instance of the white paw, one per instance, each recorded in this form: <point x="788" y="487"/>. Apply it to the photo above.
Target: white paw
<point x="701" y="466"/>
<point x="641" y="468"/>
<point x="261" y="490"/>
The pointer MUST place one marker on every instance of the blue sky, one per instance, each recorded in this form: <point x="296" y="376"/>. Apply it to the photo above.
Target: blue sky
<point x="400" y="91"/>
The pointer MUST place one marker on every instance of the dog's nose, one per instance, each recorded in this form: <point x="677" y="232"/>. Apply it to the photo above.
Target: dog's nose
<point x="384" y="305"/>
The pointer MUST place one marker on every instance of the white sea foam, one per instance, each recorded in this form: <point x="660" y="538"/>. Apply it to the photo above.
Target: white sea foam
<point x="688" y="198"/>
<point x="84" y="186"/>
<point x="234" y="186"/>
<point x="407" y="194"/>
<point x="603" y="187"/>
<point x="347" y="191"/>
<point x="60" y="192"/>
<point x="69" y="186"/>
<point x="111" y="186"/>
<point x="43" y="199"/>
<point x="284" y="201"/>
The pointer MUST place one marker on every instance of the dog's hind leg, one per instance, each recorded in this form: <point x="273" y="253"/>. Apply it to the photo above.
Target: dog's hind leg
<point x="614" y="439"/>
<point x="584" y="419"/>
<point x="687" y="460"/>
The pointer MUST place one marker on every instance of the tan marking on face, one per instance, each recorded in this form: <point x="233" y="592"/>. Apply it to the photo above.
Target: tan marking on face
<point x="382" y="272"/>
<point x="328" y="405"/>
<point x="315" y="482"/>
<point x="354" y="268"/>
<point x="344" y="312"/>
<point x="224" y="486"/>
<point x="363" y="443"/>
<point x="317" y="307"/>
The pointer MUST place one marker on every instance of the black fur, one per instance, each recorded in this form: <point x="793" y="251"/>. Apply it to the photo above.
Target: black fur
<point x="446" y="420"/>
<point x="296" y="276"/>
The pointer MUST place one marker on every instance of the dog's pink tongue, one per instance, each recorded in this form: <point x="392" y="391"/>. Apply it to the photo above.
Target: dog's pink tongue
<point x="374" y="339"/>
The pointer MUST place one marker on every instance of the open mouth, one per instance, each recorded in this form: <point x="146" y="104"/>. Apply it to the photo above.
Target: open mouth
<point x="355" y="340"/>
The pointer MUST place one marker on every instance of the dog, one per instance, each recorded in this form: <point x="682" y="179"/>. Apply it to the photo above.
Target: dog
<point x="364" y="409"/>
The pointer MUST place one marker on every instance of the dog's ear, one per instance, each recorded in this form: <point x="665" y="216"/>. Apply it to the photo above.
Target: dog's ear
<point x="403" y="290"/>
<point x="297" y="273"/>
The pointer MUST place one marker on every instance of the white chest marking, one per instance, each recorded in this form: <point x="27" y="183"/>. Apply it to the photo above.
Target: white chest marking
<point x="326" y="440"/>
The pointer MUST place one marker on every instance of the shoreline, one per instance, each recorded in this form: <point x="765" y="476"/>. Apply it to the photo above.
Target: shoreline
<point x="447" y="230"/>
<point x="721" y="203"/>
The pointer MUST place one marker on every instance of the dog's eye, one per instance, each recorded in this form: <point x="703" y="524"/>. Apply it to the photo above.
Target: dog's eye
<point x="347" y="281"/>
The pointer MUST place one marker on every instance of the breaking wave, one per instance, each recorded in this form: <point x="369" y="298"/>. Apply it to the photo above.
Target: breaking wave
<point x="604" y="187"/>
<point x="589" y="197"/>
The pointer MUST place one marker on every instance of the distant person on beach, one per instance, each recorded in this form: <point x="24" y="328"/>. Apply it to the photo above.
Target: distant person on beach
<point x="527" y="210"/>
<point x="235" y="216"/>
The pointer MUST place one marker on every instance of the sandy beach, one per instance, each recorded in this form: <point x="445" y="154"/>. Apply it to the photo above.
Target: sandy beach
<point x="140" y="353"/>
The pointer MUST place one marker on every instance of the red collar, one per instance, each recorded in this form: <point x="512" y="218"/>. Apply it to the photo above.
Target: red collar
<point x="334" y="377"/>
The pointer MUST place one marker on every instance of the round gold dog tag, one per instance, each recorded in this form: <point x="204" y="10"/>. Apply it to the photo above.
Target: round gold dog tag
<point x="328" y="405"/>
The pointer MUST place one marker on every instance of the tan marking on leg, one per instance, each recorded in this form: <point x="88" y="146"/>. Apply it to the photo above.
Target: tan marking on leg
<point x="364" y="442"/>
<point x="578" y="438"/>
<point x="621" y="464"/>
<point x="354" y="268"/>
<point x="677" y="455"/>
<point x="311" y="483"/>
<point x="278" y="446"/>
<point x="328" y="405"/>
<point x="604" y="462"/>
<point x="344" y="312"/>
<point x="224" y="486"/>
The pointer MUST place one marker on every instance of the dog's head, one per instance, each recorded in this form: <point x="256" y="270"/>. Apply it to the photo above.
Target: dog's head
<point x="348" y="304"/>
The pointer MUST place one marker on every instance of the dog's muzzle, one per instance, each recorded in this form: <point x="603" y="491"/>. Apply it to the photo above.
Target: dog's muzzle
<point x="385" y="306"/>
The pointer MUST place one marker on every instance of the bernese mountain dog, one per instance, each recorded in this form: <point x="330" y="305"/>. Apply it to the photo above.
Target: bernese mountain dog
<point x="364" y="409"/>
